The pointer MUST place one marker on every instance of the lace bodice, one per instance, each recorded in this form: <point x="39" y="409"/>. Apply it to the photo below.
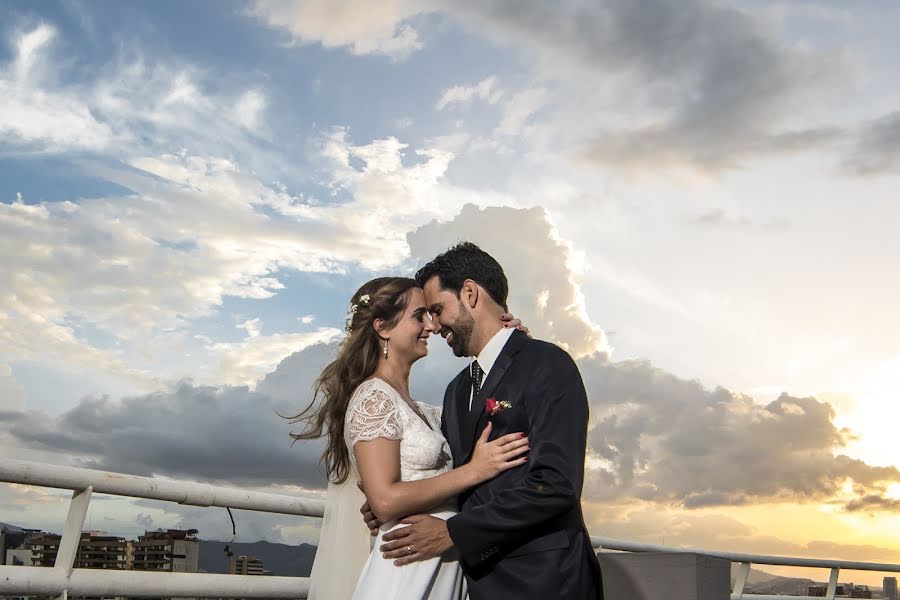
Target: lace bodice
<point x="377" y="410"/>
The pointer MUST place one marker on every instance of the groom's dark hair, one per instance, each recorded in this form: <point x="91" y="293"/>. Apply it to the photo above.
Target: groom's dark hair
<point x="467" y="261"/>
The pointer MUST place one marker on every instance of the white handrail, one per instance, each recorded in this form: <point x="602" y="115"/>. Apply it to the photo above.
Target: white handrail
<point x="182" y="492"/>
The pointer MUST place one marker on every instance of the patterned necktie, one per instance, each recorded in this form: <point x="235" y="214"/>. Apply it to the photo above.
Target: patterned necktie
<point x="477" y="376"/>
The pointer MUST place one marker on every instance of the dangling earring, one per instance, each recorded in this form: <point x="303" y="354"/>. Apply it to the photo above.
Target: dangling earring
<point x="385" y="348"/>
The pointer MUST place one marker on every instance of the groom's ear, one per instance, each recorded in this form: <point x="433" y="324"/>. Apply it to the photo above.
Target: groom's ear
<point x="468" y="293"/>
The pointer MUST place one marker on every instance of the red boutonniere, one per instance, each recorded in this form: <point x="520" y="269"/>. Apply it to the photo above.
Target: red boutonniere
<point x="494" y="406"/>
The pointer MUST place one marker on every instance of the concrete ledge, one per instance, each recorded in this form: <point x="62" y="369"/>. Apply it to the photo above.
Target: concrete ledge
<point x="664" y="575"/>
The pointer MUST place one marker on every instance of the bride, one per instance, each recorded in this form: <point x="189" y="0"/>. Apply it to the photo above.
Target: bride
<point x="377" y="434"/>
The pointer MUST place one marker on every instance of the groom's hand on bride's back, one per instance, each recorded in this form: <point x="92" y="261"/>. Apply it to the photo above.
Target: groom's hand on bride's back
<point x="369" y="517"/>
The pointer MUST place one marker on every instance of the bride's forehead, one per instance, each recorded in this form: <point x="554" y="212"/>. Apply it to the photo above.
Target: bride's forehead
<point x="416" y="298"/>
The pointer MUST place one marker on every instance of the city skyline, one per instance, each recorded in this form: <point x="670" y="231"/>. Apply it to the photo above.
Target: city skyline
<point x="162" y="550"/>
<point x="696" y="199"/>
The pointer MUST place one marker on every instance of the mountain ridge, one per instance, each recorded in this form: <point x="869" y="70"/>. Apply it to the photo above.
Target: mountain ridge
<point x="280" y="559"/>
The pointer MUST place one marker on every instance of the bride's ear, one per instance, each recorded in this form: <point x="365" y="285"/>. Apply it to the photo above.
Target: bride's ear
<point x="379" y="326"/>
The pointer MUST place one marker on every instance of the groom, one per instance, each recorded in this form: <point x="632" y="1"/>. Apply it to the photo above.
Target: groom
<point x="520" y="534"/>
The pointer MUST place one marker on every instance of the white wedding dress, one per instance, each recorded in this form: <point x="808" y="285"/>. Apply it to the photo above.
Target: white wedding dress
<point x="377" y="410"/>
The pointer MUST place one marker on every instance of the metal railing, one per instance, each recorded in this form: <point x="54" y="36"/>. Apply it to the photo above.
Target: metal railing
<point x="747" y="560"/>
<point x="62" y="579"/>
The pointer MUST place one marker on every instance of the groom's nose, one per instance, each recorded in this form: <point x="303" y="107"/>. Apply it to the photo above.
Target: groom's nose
<point x="435" y="324"/>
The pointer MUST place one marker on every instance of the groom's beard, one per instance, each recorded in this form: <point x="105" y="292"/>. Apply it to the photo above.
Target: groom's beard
<point x="462" y="332"/>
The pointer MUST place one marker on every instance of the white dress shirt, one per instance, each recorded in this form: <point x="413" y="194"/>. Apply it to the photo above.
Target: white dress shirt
<point x="489" y="354"/>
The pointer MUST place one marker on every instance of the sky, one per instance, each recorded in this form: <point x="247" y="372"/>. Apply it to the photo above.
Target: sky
<point x="696" y="199"/>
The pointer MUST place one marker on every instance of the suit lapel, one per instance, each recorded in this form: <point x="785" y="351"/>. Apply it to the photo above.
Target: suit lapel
<point x="471" y="420"/>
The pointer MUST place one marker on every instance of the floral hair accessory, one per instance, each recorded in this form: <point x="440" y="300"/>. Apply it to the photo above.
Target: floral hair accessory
<point x="494" y="406"/>
<point x="364" y="300"/>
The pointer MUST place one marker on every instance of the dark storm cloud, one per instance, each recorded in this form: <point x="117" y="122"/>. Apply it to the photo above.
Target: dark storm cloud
<point x="223" y="434"/>
<point x="720" y="84"/>
<point x="667" y="439"/>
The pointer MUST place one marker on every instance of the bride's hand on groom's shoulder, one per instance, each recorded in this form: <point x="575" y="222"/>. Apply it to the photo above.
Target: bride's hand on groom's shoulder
<point x="509" y="320"/>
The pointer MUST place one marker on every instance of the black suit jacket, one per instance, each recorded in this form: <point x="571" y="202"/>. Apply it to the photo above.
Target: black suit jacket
<point x="522" y="533"/>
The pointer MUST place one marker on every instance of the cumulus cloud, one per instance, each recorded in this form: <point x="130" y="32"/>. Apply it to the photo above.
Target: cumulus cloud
<point x="116" y="264"/>
<point x="363" y="27"/>
<point x="544" y="292"/>
<point x="130" y="102"/>
<point x="195" y="230"/>
<point x="29" y="113"/>
<point x="36" y="288"/>
<point x="389" y="197"/>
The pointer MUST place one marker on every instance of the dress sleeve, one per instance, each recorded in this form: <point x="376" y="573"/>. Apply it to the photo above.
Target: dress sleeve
<point x="373" y="415"/>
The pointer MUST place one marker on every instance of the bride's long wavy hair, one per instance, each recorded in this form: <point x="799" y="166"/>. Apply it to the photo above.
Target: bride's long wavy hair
<point x="383" y="298"/>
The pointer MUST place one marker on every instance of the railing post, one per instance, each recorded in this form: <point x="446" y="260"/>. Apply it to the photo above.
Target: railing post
<point x="740" y="581"/>
<point x="68" y="545"/>
<point x="832" y="583"/>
